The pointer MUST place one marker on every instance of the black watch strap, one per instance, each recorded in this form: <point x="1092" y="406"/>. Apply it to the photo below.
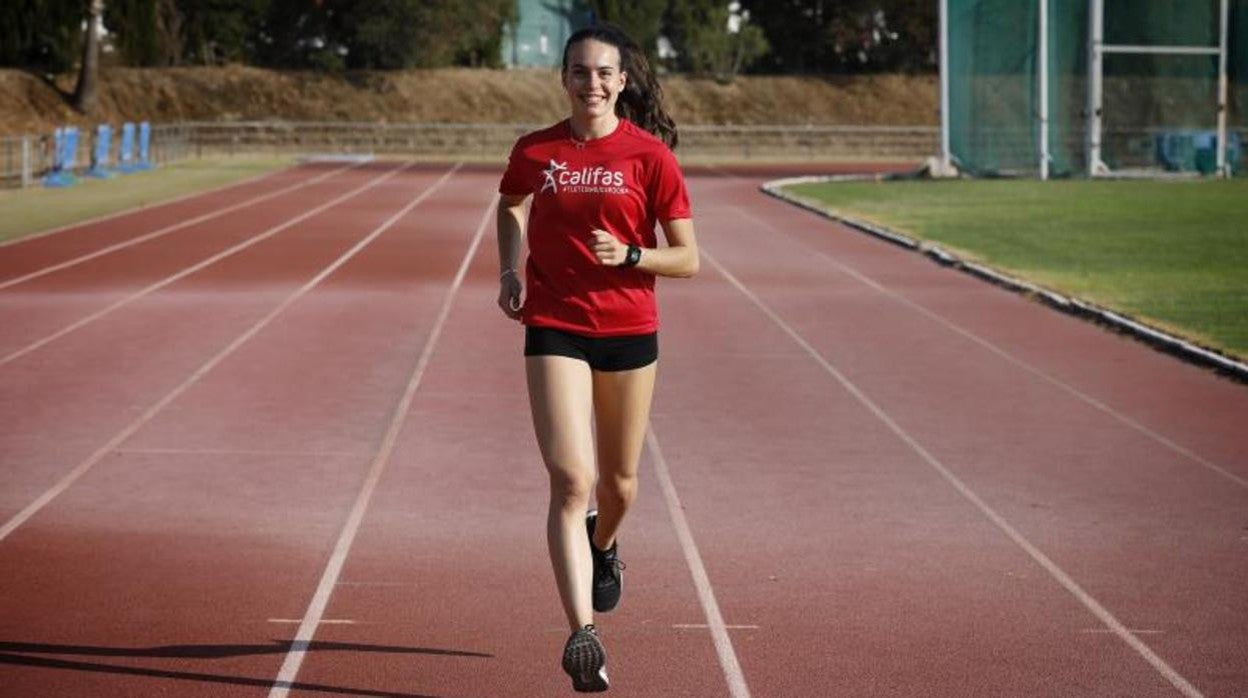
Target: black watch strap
<point x="633" y="257"/>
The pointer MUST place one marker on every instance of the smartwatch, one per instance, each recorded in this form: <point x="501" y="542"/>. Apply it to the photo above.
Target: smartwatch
<point x="633" y="257"/>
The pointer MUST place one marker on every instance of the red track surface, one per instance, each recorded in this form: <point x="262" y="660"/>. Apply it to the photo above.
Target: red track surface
<point x="898" y="480"/>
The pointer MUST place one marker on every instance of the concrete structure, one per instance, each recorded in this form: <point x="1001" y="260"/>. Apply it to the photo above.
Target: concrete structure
<point x="537" y="37"/>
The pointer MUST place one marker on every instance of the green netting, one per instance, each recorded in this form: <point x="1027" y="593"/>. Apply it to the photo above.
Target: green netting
<point x="1158" y="110"/>
<point x="1068" y="86"/>
<point x="992" y="86"/>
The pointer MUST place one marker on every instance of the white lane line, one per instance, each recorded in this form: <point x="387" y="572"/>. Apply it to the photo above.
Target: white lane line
<point x="194" y="268"/>
<point x="704" y="626"/>
<point x="737" y="687"/>
<point x="236" y="452"/>
<point x="324" y="621"/>
<point x="1090" y="603"/>
<point x="329" y="579"/>
<point x="207" y="366"/>
<point x="167" y="229"/>
<point x="1107" y="631"/>
<point x="144" y="207"/>
<point x="1070" y="389"/>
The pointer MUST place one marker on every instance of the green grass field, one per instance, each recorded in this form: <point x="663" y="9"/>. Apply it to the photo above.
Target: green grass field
<point x="27" y="211"/>
<point x="1172" y="253"/>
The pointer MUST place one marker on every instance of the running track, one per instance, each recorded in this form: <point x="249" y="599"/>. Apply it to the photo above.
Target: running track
<point x="274" y="440"/>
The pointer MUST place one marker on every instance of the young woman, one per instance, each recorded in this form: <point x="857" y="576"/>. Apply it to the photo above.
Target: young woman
<point x="596" y="184"/>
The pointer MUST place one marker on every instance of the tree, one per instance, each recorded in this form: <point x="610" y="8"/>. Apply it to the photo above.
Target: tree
<point x="217" y="31"/>
<point x="89" y="74"/>
<point x="822" y="36"/>
<point x="133" y="27"/>
<point x="390" y="33"/>
<point x="424" y="33"/>
<point x="302" y="34"/>
<point x="714" y="38"/>
<point x="44" y="35"/>
<point x="641" y="19"/>
<point x="383" y="34"/>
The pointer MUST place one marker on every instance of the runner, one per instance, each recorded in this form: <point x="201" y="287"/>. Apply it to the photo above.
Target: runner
<point x="598" y="182"/>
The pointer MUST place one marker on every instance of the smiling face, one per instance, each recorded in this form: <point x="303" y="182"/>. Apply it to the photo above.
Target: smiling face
<point x="593" y="79"/>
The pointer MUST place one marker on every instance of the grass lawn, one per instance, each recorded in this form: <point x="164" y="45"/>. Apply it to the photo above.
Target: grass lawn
<point x="1172" y="253"/>
<point x="26" y="211"/>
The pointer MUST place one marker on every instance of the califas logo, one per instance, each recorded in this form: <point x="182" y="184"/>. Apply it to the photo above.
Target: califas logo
<point x="550" y="172"/>
<point x="586" y="180"/>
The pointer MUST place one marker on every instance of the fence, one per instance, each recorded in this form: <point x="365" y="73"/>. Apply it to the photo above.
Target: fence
<point x="492" y="141"/>
<point x="24" y="160"/>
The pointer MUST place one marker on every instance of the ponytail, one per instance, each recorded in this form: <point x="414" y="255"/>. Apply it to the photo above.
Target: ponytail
<point x="641" y="102"/>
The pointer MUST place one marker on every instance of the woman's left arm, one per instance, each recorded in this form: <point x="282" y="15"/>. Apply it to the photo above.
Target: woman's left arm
<point x="678" y="259"/>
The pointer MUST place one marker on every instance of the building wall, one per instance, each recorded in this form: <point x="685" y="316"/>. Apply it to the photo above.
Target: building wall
<point x="536" y="40"/>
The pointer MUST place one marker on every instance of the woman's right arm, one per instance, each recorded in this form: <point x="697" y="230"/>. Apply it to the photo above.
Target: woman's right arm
<point x="510" y="235"/>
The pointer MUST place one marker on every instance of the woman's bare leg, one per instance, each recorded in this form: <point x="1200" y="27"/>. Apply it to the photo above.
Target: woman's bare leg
<point x="561" y="398"/>
<point x="621" y="413"/>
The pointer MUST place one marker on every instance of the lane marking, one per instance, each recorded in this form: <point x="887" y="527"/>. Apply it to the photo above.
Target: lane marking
<point x="703" y="626"/>
<point x="1107" y="631"/>
<point x="234" y="452"/>
<point x="737" y="687"/>
<point x="73" y="475"/>
<point x="167" y="229"/>
<point x="1060" y="575"/>
<point x="144" y="207"/>
<point x="324" y="621"/>
<point x="1070" y="389"/>
<point x="197" y="267"/>
<point x="320" y="599"/>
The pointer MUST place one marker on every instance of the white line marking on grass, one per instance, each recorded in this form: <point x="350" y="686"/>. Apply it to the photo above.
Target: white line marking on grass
<point x="207" y="366"/>
<point x="1075" y="392"/>
<point x="144" y="207"/>
<point x="737" y="687"/>
<point x="165" y="230"/>
<point x="194" y="268"/>
<point x="1090" y="603"/>
<point x="329" y="579"/>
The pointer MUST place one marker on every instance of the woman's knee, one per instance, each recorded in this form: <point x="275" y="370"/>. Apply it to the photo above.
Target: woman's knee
<point x="621" y="489"/>
<point x="570" y="486"/>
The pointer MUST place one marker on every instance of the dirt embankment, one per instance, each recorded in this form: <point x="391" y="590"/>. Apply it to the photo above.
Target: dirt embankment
<point x="30" y="104"/>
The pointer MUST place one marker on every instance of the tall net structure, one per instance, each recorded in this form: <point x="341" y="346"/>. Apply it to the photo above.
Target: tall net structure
<point x="1068" y="87"/>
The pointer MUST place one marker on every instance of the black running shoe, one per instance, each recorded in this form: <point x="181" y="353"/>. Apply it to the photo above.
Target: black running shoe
<point x="585" y="661"/>
<point x="608" y="569"/>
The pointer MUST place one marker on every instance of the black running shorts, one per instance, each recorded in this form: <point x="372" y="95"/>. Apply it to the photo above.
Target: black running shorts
<point x="601" y="353"/>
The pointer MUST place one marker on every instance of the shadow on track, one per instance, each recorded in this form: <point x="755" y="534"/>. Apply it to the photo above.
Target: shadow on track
<point x="205" y="652"/>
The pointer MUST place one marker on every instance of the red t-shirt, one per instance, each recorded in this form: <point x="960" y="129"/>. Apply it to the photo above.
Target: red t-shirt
<point x="622" y="183"/>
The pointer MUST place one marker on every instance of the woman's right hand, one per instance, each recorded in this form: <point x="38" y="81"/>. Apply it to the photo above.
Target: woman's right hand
<point x="509" y="291"/>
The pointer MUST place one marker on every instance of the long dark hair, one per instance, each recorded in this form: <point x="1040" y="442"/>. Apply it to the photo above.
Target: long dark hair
<point x="641" y="102"/>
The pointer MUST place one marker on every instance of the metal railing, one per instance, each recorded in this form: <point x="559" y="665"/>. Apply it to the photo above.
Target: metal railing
<point x="25" y="160"/>
<point x="493" y="141"/>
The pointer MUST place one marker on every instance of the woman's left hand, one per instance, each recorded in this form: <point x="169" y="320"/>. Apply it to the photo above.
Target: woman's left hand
<point x="609" y="250"/>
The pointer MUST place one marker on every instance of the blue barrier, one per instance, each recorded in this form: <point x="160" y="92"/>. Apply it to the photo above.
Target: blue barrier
<point x="1196" y="150"/>
<point x="66" y="153"/>
<point x="145" y="141"/>
<point x="100" y="154"/>
<point x="126" y="156"/>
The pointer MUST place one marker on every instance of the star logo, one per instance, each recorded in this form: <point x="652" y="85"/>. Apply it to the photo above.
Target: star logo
<point x="549" y="173"/>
